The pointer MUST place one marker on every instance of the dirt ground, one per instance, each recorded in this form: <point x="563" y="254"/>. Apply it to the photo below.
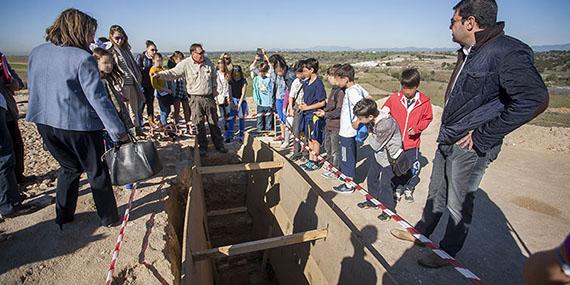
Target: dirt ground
<point x="522" y="207"/>
<point x="35" y="251"/>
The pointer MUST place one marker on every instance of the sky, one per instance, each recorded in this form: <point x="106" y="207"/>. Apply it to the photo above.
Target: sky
<point x="245" y="25"/>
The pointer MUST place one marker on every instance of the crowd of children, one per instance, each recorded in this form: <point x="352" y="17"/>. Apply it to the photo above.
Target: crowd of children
<point x="342" y="121"/>
<point x="338" y="123"/>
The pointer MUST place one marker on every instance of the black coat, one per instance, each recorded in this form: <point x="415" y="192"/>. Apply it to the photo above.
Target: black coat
<point x="498" y="90"/>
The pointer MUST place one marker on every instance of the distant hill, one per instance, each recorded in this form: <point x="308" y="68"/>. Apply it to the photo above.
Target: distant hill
<point x="544" y="48"/>
<point x="538" y="48"/>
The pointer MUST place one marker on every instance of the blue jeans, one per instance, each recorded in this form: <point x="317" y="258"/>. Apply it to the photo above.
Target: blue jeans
<point x="237" y="114"/>
<point x="347" y="156"/>
<point x="379" y="183"/>
<point x="455" y="178"/>
<point x="264" y="118"/>
<point x="165" y="103"/>
<point x="279" y="109"/>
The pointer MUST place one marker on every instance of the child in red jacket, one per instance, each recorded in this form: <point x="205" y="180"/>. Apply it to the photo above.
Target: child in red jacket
<point x="412" y="110"/>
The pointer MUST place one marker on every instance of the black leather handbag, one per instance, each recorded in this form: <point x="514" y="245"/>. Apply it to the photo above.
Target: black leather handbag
<point x="132" y="162"/>
<point x="400" y="165"/>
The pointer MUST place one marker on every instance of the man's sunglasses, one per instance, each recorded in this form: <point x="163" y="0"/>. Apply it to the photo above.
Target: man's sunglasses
<point x="201" y="53"/>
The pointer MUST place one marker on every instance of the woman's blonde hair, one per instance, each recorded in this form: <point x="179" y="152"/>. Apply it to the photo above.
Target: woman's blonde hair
<point x="117" y="28"/>
<point x="72" y="28"/>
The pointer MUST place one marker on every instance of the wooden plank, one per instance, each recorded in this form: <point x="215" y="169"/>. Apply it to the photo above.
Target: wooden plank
<point x="228" y="211"/>
<point x="258" y="245"/>
<point x="240" y="167"/>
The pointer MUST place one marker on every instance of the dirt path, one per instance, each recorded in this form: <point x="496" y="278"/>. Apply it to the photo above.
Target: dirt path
<point x="522" y="207"/>
<point x="35" y="251"/>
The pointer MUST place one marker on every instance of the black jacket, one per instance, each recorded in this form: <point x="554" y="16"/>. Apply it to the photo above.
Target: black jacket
<point x="498" y="90"/>
<point x="144" y="64"/>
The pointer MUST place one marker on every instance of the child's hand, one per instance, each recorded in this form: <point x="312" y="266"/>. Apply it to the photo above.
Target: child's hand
<point x="411" y="132"/>
<point x="303" y="107"/>
<point x="290" y="111"/>
<point x="154" y="75"/>
<point x="320" y="113"/>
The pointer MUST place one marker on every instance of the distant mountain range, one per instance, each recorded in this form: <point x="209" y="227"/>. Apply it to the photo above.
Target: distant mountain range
<point x="538" y="48"/>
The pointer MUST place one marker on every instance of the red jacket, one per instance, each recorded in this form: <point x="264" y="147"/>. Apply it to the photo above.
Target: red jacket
<point x="417" y="119"/>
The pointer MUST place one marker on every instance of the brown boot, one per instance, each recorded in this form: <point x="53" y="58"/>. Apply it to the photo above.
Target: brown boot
<point x="432" y="260"/>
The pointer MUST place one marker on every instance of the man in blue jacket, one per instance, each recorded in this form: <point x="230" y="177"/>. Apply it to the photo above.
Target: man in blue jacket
<point x="494" y="89"/>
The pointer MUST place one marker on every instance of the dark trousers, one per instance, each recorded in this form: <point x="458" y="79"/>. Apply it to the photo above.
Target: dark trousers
<point x="264" y="118"/>
<point x="18" y="145"/>
<point x="77" y="152"/>
<point x="379" y="182"/>
<point x="411" y="179"/>
<point x="204" y="109"/>
<point x="149" y="101"/>
<point x="347" y="156"/>
<point x="455" y="178"/>
<point x="9" y="194"/>
<point x="331" y="146"/>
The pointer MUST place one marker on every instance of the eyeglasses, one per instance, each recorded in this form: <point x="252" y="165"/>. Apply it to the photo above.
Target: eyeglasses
<point x="453" y="21"/>
<point x="153" y="49"/>
<point x="201" y="53"/>
<point x="118" y="38"/>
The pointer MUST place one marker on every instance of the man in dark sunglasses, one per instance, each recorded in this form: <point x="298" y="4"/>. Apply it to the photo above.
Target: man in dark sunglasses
<point x="201" y="86"/>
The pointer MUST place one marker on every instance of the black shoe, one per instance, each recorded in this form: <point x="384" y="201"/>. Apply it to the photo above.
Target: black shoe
<point x="384" y="217"/>
<point x="296" y="156"/>
<point x="116" y="222"/>
<point x="18" y="210"/>
<point x="222" y="150"/>
<point x="343" y="189"/>
<point x="366" y="205"/>
<point x="26" y="179"/>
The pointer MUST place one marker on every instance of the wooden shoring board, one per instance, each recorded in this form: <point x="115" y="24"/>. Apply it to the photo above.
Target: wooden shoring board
<point x="239" y="167"/>
<point x="259" y="245"/>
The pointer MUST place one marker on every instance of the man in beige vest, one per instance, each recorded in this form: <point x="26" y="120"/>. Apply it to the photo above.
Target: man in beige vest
<point x="200" y="76"/>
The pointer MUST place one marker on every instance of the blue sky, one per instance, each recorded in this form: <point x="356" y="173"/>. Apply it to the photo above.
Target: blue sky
<point x="246" y="25"/>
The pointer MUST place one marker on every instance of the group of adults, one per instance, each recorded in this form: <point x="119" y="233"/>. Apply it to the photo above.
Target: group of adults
<point x="70" y="107"/>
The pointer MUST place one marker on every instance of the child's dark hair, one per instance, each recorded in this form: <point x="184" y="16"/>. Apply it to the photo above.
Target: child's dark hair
<point x="366" y="107"/>
<point x="345" y="71"/>
<point x="116" y="76"/>
<point x="149" y="43"/>
<point x="332" y="70"/>
<point x="237" y="69"/>
<point x="298" y="67"/>
<point x="171" y="62"/>
<point x="311" y="63"/>
<point x="158" y="54"/>
<point x="264" y="67"/>
<point x="410" y="78"/>
<point x="278" y="61"/>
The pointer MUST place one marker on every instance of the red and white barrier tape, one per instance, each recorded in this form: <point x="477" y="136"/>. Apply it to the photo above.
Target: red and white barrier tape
<point x="469" y="275"/>
<point x="121" y="236"/>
